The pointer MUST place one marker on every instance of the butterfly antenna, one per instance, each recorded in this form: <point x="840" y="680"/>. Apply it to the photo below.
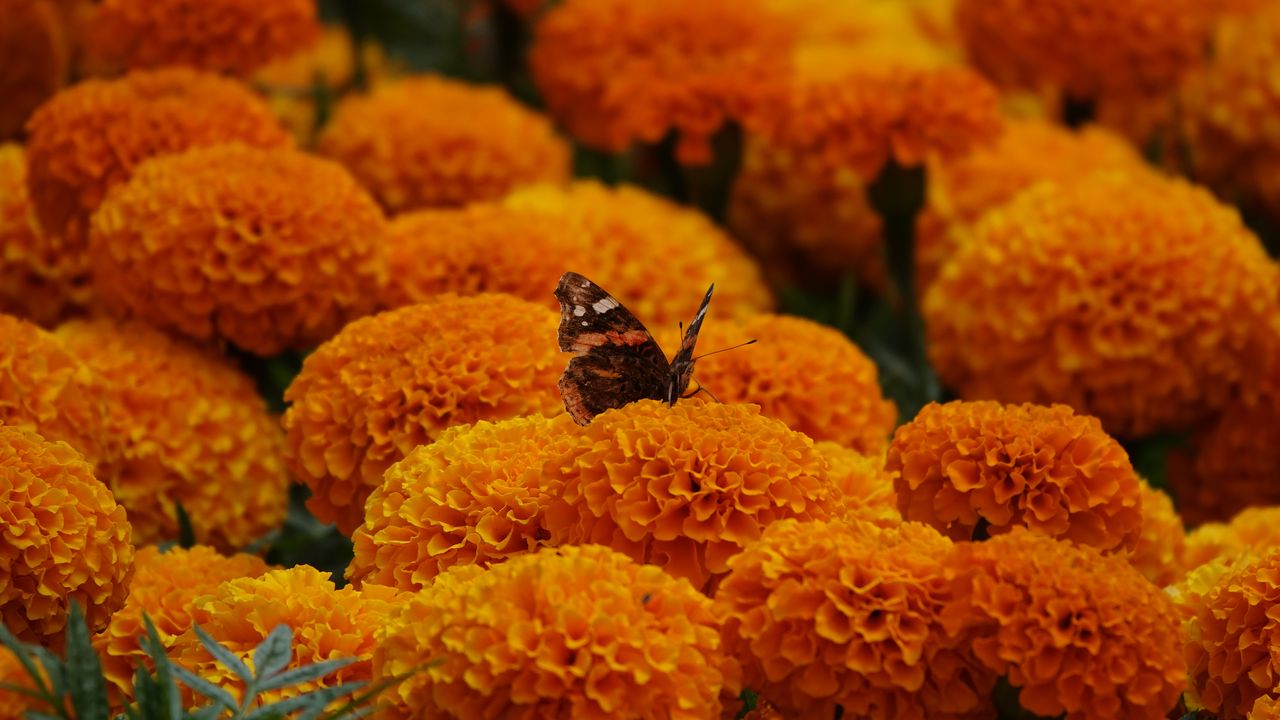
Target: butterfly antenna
<point x="752" y="341"/>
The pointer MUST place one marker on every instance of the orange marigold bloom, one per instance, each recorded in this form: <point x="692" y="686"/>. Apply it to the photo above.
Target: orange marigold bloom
<point x="38" y="280"/>
<point x="165" y="587"/>
<point x="476" y="496"/>
<point x="964" y="188"/>
<point x="64" y="539"/>
<point x="432" y="142"/>
<point x="687" y="487"/>
<point x="846" y="614"/>
<point x="1143" y="300"/>
<point x="970" y="465"/>
<point x="194" y="430"/>
<point x="89" y="138"/>
<point x="1087" y="48"/>
<point x="1265" y="707"/>
<point x="389" y="383"/>
<point x="617" y="72"/>
<point x="1082" y="634"/>
<point x="1252" y="532"/>
<point x="582" y="632"/>
<point x="1161" y="552"/>
<point x="34" y="58"/>
<point x="327" y="623"/>
<point x="480" y="248"/>
<point x="862" y="483"/>
<point x="1231" y="635"/>
<point x="655" y="256"/>
<point x="14" y="704"/>
<point x="266" y="249"/>
<point x="230" y="36"/>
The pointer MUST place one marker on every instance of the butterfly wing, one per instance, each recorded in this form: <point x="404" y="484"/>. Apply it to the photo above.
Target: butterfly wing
<point x="682" y="364"/>
<point x="616" y="361"/>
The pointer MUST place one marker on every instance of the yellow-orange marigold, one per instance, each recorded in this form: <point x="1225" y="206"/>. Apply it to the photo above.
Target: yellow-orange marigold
<point x="476" y="496"/>
<point x="1082" y="635"/>
<point x="90" y="137"/>
<point x="231" y="36"/>
<point x="193" y="430"/>
<point x="969" y="467"/>
<point x="616" y="72"/>
<point x="1142" y="302"/>
<point x="1266" y="707"/>
<point x="266" y="249"/>
<point x="582" y="632"/>
<point x="863" y="485"/>
<point x="64" y="539"/>
<point x="846" y="614"/>
<point x="164" y="587"/>
<point x="389" y="383"/>
<point x="480" y="248"/>
<point x="1161" y="552"/>
<point x="34" y="57"/>
<point x="655" y="256"/>
<point x="1252" y="532"/>
<point x="328" y="624"/>
<point x="687" y="487"/>
<point x="432" y="142"/>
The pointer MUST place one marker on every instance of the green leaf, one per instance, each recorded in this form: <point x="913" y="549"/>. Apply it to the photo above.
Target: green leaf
<point x="749" y="701"/>
<point x="321" y="697"/>
<point x="218" y="695"/>
<point x="306" y="673"/>
<point x="84" y="672"/>
<point x="56" y="672"/>
<point x="353" y="707"/>
<point x="210" y="712"/>
<point x="22" y="652"/>
<point x="19" y="690"/>
<point x="37" y="715"/>
<point x="166" y="684"/>
<point x="186" y="533"/>
<point x="223" y="655"/>
<point x="274" y="653"/>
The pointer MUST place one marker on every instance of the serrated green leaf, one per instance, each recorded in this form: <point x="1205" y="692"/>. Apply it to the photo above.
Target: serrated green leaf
<point x="86" y="684"/>
<point x="167" y="685"/>
<point x="206" y="688"/>
<point x="22" y="652"/>
<point x="274" y="653"/>
<point x="223" y="655"/>
<point x="353" y="706"/>
<point x="306" y="673"/>
<point x="321" y="697"/>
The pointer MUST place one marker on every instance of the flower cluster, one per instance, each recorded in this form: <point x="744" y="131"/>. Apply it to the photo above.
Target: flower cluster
<point x="432" y="142"/>
<point x="1161" y="552"/>
<point x="981" y="467"/>
<point x="35" y="60"/>
<point x="1141" y="301"/>
<point x="266" y="249"/>
<point x="581" y="632"/>
<point x="1253" y="532"/>
<point x="846" y="614"/>
<point x="193" y="431"/>
<point x="389" y="383"/>
<point x="64" y="539"/>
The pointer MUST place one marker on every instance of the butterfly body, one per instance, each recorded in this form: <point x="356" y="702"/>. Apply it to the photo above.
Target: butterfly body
<point x="616" y="360"/>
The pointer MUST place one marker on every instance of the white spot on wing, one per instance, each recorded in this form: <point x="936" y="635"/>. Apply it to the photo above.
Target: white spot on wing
<point x="604" y="305"/>
<point x="579" y="311"/>
<point x="585" y="323"/>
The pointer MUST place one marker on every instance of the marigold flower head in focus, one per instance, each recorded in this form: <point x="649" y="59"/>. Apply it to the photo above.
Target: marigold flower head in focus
<point x="1142" y="301"/>
<point x="266" y="249"/>
<point x="389" y="383"/>
<point x="433" y="142"/>
<point x="480" y="248"/>
<point x="1266" y="707"/>
<point x="846" y="614"/>
<point x="1082" y="634"/>
<point x="654" y="255"/>
<point x="617" y="72"/>
<point x="476" y="496"/>
<point x="89" y="138"/>
<point x="225" y="36"/>
<point x="327" y="623"/>
<point x="64" y="539"/>
<point x="195" y="431"/>
<point x="582" y="632"/>
<point x="1161" y="552"/>
<point x="686" y="487"/>
<point x="34" y="57"/>
<point x="164" y="587"/>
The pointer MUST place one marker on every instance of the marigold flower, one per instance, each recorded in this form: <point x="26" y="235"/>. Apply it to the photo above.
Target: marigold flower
<point x="582" y="632"/>
<point x="389" y="383"/>
<point x="165" y="587"/>
<point x="862" y="483"/>
<point x="969" y="465"/>
<point x="652" y="254"/>
<point x="1087" y="48"/>
<point x="476" y="496"/>
<point x="266" y="249"/>
<point x="846" y="614"/>
<point x="481" y="248"/>
<point x="1082" y="634"/>
<point x="12" y="703"/>
<point x="1109" y="270"/>
<point x="194" y="430"/>
<point x="327" y="623"/>
<point x="431" y="142"/>
<point x="228" y="36"/>
<point x="64" y="539"/>
<point x="1161" y="552"/>
<point x="34" y="57"/>
<point x="1252" y="532"/>
<point x="1265" y="707"/>
<point x="90" y="137"/>
<point x="686" y="487"/>
<point x="964" y="188"/>
<point x="616" y="72"/>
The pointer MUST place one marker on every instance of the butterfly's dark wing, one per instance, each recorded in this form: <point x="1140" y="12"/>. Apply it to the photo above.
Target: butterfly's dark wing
<point x="616" y="360"/>
<point x="682" y="363"/>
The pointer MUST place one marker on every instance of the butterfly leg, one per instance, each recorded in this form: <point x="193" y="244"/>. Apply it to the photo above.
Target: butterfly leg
<point x="701" y="389"/>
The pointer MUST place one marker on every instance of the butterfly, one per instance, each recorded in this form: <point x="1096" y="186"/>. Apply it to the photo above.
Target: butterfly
<point x="616" y="361"/>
